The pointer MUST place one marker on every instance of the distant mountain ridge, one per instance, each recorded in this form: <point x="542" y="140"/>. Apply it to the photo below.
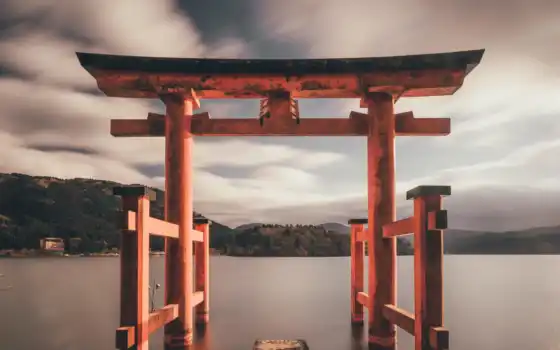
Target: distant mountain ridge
<point x="32" y="207"/>
<point x="295" y="240"/>
<point x="329" y="226"/>
<point x="537" y="240"/>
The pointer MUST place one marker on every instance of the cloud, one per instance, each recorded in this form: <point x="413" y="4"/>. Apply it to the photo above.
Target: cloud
<point x="43" y="57"/>
<point x="500" y="158"/>
<point x="144" y="27"/>
<point x="250" y="154"/>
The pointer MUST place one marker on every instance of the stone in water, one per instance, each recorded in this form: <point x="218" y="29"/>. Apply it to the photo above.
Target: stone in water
<point x="280" y="345"/>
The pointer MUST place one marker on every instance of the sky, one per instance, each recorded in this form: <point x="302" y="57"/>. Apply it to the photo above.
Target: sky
<point x="501" y="157"/>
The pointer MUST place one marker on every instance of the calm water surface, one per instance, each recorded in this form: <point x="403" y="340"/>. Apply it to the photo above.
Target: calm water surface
<point x="492" y="302"/>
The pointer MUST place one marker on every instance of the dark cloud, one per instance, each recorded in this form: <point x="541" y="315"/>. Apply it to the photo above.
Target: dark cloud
<point x="63" y="149"/>
<point x="54" y="121"/>
<point x="230" y="171"/>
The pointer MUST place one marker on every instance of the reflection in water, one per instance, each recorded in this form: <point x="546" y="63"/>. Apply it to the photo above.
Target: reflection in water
<point x="491" y="302"/>
<point x="203" y="337"/>
<point x="358" y="334"/>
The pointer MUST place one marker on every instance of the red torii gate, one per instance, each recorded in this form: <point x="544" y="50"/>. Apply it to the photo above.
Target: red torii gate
<point x="377" y="82"/>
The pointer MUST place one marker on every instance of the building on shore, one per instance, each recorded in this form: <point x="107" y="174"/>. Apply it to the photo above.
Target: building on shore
<point x="52" y="244"/>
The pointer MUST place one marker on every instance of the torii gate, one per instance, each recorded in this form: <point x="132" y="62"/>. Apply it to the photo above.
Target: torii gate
<point x="377" y="82"/>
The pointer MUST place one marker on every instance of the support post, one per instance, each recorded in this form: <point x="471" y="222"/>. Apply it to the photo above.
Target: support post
<point x="135" y="265"/>
<point x="381" y="210"/>
<point x="179" y="210"/>
<point x="202" y="268"/>
<point x="356" y="270"/>
<point x="428" y="269"/>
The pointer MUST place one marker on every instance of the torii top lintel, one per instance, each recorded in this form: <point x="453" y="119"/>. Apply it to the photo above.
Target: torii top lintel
<point x="413" y="75"/>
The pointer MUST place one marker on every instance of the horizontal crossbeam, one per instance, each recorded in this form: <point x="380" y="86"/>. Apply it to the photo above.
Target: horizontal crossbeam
<point x="363" y="299"/>
<point x="399" y="317"/>
<point x="197" y="236"/>
<point x="355" y="125"/>
<point x="437" y="220"/>
<point x="438" y="338"/>
<point x="125" y="337"/>
<point x="197" y="298"/>
<point x="361" y="236"/>
<point x="161" y="317"/>
<point x="156" y="227"/>
<point x="398" y="228"/>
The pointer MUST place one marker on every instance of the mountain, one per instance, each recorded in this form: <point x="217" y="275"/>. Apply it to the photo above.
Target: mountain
<point x="294" y="240"/>
<point x="336" y="227"/>
<point x="540" y="240"/>
<point x="247" y="226"/>
<point x="35" y="207"/>
<point x="329" y="226"/>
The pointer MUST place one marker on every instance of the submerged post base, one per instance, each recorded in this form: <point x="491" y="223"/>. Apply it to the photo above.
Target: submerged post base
<point x="202" y="318"/>
<point x="357" y="319"/>
<point x="298" y="344"/>
<point x="381" y="343"/>
<point x="178" y="341"/>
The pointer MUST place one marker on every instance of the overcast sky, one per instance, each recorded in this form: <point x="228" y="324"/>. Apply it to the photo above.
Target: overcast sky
<point x="501" y="159"/>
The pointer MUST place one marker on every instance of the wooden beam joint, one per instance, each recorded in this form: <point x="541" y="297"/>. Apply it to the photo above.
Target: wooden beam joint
<point x="160" y="317"/>
<point x="439" y="338"/>
<point x="277" y="106"/>
<point x="398" y="228"/>
<point x="362" y="298"/>
<point x="401" y="318"/>
<point x="197" y="236"/>
<point x="437" y="220"/>
<point x="197" y="298"/>
<point x="174" y="93"/>
<point x="125" y="337"/>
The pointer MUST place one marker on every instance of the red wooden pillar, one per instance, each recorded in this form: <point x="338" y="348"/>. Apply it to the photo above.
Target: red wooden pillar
<point x="135" y="264"/>
<point x="428" y="267"/>
<point x="202" y="262"/>
<point x="179" y="210"/>
<point x="381" y="210"/>
<point x="356" y="269"/>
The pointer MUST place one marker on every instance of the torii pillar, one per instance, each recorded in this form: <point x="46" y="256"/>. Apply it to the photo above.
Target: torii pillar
<point x="381" y="211"/>
<point x="179" y="210"/>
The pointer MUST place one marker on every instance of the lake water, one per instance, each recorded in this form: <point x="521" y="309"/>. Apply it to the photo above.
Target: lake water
<point x="491" y="302"/>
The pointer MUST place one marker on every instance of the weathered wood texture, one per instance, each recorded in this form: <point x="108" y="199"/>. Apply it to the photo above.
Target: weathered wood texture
<point x="398" y="228"/>
<point x="153" y="226"/>
<point x="399" y="317"/>
<point x="179" y="210"/>
<point x="202" y="272"/>
<point x="428" y="269"/>
<point x="413" y="75"/>
<point x="381" y="211"/>
<point x="426" y="224"/>
<point x="378" y="82"/>
<point x="356" y="273"/>
<point x="356" y="125"/>
<point x="135" y="268"/>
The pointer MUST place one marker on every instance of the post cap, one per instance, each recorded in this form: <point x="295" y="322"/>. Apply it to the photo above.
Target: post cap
<point x="134" y="191"/>
<point x="358" y="221"/>
<point x="200" y="220"/>
<point x="425" y="191"/>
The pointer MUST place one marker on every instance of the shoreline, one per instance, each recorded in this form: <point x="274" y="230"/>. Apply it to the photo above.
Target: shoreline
<point x="49" y="255"/>
<point x="162" y="254"/>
